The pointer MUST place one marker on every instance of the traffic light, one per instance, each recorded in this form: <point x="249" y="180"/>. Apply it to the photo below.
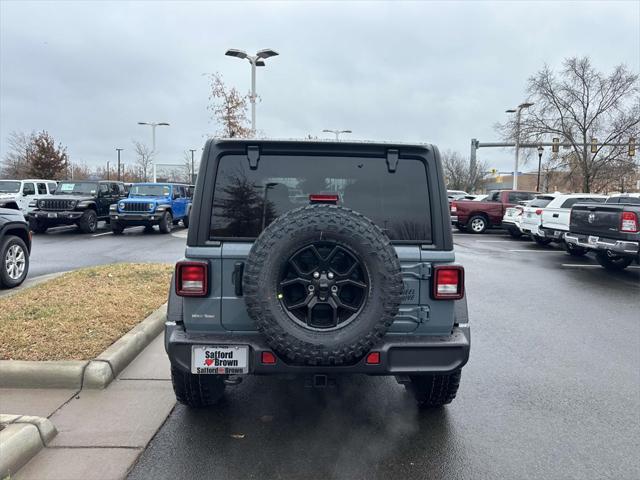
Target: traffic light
<point x="594" y="145"/>
<point x="555" y="148"/>
<point x="632" y="146"/>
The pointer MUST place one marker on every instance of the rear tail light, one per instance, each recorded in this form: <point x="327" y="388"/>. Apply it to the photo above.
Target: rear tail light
<point x="539" y="211"/>
<point x="448" y="282"/>
<point x="454" y="207"/>
<point x="324" y="198"/>
<point x="629" y="222"/>
<point x="191" y="279"/>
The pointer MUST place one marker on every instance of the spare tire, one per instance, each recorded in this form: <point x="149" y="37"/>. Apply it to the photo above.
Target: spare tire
<point x="323" y="284"/>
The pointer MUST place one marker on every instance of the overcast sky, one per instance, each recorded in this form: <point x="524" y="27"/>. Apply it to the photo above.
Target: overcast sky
<point x="440" y="72"/>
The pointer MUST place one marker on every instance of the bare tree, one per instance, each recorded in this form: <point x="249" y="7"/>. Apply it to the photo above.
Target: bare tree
<point x="459" y="173"/>
<point x="228" y="109"/>
<point x="144" y="160"/>
<point x="580" y="103"/>
<point x="16" y="160"/>
<point x="188" y="171"/>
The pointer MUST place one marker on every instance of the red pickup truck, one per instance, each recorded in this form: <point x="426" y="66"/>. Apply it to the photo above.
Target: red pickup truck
<point x="476" y="217"/>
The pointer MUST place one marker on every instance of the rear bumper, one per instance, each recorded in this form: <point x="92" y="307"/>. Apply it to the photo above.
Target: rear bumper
<point x="454" y="219"/>
<point x="552" y="233"/>
<point x="622" y="247"/>
<point x="399" y="354"/>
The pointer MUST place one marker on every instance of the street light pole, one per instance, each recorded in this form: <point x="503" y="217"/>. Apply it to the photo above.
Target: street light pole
<point x="119" y="150"/>
<point x="153" y="126"/>
<point x="540" y="150"/>
<point x="193" y="173"/>
<point x="518" y="112"/>
<point x="108" y="170"/>
<point x="256" y="60"/>
<point x="336" y="132"/>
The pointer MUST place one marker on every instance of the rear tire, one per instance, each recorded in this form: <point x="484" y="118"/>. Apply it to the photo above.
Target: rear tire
<point x="432" y="391"/>
<point x="543" y="242"/>
<point x="614" y="263"/>
<point x="514" y="232"/>
<point x="477" y="224"/>
<point x="88" y="223"/>
<point x="185" y="220"/>
<point x="197" y="391"/>
<point x="574" y="250"/>
<point x="166" y="223"/>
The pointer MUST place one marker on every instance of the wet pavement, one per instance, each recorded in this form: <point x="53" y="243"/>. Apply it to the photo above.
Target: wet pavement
<point x="552" y="390"/>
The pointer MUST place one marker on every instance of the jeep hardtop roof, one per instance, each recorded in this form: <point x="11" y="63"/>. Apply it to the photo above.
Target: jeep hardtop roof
<point x="261" y="163"/>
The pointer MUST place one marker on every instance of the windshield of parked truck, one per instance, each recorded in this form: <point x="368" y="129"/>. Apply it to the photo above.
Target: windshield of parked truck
<point x="540" y="202"/>
<point x="247" y="200"/>
<point x="76" y="188"/>
<point x="9" y="187"/>
<point x="150" y="191"/>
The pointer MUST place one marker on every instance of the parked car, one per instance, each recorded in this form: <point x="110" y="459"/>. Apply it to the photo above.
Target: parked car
<point x="611" y="230"/>
<point x="513" y="217"/>
<point x="349" y="278"/>
<point x="477" y="216"/>
<point x="15" y="247"/>
<point x="531" y="218"/>
<point x="18" y="194"/>
<point x="456" y="194"/>
<point x="554" y="220"/>
<point x="83" y="203"/>
<point x="149" y="204"/>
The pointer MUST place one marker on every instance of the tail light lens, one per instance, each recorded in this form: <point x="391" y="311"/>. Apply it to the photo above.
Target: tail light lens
<point x="519" y="211"/>
<point x="191" y="279"/>
<point x="454" y="207"/>
<point x="629" y="222"/>
<point x="539" y="211"/>
<point x="448" y="282"/>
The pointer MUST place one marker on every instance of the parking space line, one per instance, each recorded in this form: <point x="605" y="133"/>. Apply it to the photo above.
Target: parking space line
<point x="494" y="241"/>
<point x="537" y="251"/>
<point x="100" y="234"/>
<point x="584" y="265"/>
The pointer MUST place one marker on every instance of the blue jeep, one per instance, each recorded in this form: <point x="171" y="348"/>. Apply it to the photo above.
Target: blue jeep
<point x="149" y="204"/>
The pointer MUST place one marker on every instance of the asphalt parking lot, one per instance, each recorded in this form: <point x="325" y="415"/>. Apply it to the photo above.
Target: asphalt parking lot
<point x="551" y="390"/>
<point x="64" y="248"/>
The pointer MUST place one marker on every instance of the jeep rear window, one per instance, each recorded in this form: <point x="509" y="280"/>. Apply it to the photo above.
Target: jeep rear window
<point x="245" y="200"/>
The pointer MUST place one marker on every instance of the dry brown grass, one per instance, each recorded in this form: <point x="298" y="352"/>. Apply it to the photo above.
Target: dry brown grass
<point x="78" y="315"/>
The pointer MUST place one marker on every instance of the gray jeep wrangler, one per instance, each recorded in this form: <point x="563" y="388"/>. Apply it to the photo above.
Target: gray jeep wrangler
<point x="318" y="259"/>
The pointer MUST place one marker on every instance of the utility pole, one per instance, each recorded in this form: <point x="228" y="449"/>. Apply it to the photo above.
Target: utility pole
<point x="256" y="60"/>
<point x="518" y="113"/>
<point x="108" y="170"/>
<point x="119" y="150"/>
<point x="336" y="132"/>
<point x="153" y="126"/>
<point x="193" y="173"/>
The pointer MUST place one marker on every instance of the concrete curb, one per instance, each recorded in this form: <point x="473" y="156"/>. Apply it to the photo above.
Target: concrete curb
<point x="96" y="373"/>
<point x="21" y="439"/>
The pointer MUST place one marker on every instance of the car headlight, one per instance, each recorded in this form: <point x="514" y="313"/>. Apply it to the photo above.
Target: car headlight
<point x="121" y="205"/>
<point x="41" y="203"/>
<point x="151" y="205"/>
<point x="72" y="203"/>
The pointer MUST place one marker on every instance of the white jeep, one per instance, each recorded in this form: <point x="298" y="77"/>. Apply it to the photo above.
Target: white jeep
<point x="17" y="194"/>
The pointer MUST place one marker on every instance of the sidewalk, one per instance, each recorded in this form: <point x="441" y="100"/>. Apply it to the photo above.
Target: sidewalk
<point x="100" y="432"/>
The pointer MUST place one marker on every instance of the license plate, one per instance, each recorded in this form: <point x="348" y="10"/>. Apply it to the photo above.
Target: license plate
<point x="219" y="360"/>
<point x="52" y="215"/>
<point x="592" y="240"/>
